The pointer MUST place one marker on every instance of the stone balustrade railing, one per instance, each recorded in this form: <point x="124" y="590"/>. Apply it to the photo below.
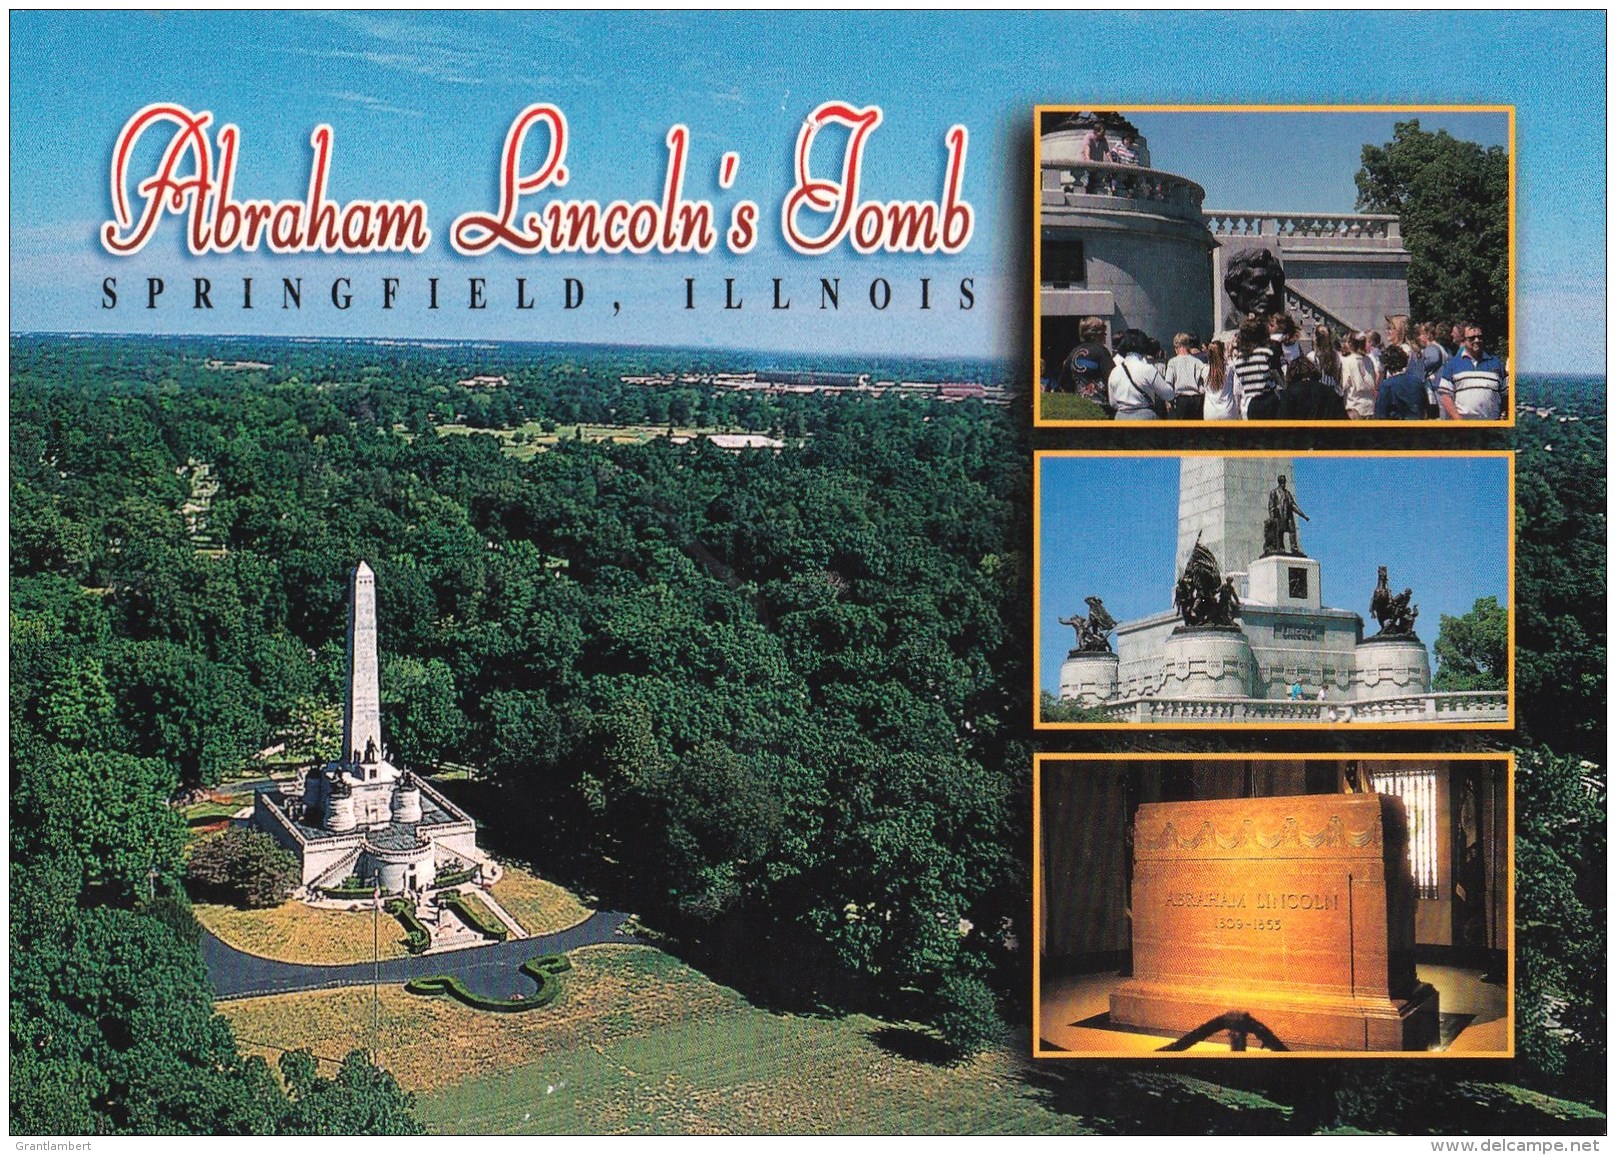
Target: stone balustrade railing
<point x="1309" y="315"/>
<point x="1457" y="708"/>
<point x="1161" y="192"/>
<point x="1323" y="226"/>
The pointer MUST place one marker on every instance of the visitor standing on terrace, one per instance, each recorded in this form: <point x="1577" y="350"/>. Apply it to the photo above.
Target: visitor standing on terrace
<point x="1136" y="386"/>
<point x="1473" y="384"/>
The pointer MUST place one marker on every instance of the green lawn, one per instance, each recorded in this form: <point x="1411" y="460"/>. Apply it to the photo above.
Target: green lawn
<point x="210" y="811"/>
<point x="690" y="1057"/>
<point x="1069" y="407"/>
<point x="640" y="1043"/>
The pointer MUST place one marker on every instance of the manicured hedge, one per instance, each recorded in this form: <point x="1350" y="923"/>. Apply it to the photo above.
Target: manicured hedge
<point x="416" y="938"/>
<point x="351" y="887"/>
<point x="544" y="970"/>
<point x="475" y="915"/>
<point x="456" y="877"/>
<point x="347" y="891"/>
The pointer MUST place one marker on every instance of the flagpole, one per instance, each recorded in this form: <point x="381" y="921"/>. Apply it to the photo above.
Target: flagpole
<point x="376" y="973"/>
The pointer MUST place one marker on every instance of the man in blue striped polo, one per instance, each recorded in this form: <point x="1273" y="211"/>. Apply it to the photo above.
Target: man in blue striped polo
<point x="1473" y="384"/>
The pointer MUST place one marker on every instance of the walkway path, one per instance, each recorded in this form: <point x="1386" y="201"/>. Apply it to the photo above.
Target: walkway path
<point x="512" y="927"/>
<point x="486" y="970"/>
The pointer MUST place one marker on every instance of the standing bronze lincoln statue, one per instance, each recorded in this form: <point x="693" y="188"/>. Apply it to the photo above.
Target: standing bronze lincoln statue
<point x="1279" y="531"/>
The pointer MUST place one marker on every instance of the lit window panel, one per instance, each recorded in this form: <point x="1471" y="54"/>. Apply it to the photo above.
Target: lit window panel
<point x="1417" y="789"/>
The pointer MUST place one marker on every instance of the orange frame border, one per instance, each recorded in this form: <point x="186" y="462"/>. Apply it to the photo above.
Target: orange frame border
<point x="1040" y="422"/>
<point x="1038" y="761"/>
<point x="1040" y="455"/>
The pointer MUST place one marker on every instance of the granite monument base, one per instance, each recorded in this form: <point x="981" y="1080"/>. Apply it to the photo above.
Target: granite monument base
<point x="1391" y="667"/>
<point x="1284" y="579"/>
<point x="1088" y="676"/>
<point x="1207" y="662"/>
<point x="1300" y="1022"/>
<point x="1298" y="911"/>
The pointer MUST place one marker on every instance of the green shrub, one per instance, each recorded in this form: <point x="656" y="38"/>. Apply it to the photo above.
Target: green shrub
<point x="968" y="1015"/>
<point x="475" y="915"/>
<point x="544" y="970"/>
<point x="349" y="889"/>
<point x="244" y="867"/>
<point x="416" y="938"/>
<point x="456" y="877"/>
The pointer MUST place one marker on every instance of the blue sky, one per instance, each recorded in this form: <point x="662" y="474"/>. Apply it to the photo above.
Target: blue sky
<point x="1109" y="526"/>
<point x="1309" y="158"/>
<point x="420" y="103"/>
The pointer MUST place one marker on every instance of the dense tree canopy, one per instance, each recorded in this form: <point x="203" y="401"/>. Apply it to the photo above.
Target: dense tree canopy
<point x="1472" y="650"/>
<point x="1451" y="197"/>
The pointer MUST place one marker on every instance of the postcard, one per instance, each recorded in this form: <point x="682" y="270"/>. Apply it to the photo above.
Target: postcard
<point x="635" y="573"/>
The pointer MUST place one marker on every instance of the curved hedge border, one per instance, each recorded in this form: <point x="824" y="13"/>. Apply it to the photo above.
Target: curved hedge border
<point x="455" y="877"/>
<point x="416" y="938"/>
<point x="544" y="970"/>
<point x="475" y="915"/>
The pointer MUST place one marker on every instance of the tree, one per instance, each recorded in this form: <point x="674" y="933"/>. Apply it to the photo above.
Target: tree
<point x="107" y="811"/>
<point x="246" y="867"/>
<point x="424" y="722"/>
<point x="1473" y="651"/>
<point x="200" y="717"/>
<point x="1451" y="197"/>
<point x="967" y="1014"/>
<point x="1560" y="905"/>
<point x="363" y="1099"/>
<point x="113" y="1031"/>
<point x="1052" y="709"/>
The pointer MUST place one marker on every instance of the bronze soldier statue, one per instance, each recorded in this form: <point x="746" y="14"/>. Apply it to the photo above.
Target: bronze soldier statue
<point x="1393" y="611"/>
<point x="1203" y="596"/>
<point x="1092" y="631"/>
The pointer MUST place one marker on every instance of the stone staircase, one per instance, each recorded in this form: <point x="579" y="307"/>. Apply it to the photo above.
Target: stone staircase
<point x="1310" y="315"/>
<point x="338" y="871"/>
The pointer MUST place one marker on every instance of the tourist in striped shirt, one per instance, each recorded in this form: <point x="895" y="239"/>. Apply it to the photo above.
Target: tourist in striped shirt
<point x="1473" y="384"/>
<point x="1256" y="368"/>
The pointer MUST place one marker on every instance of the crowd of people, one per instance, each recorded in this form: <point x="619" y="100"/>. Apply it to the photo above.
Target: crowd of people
<point x="1262" y="372"/>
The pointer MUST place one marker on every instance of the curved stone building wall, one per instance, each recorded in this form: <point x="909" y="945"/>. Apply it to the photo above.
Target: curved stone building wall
<point x="1146" y="252"/>
<point x="1391" y="668"/>
<point x="395" y="866"/>
<point x="1090" y="678"/>
<point x="1207" y="662"/>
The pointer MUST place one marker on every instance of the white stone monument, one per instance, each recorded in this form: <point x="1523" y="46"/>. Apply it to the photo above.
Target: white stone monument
<point x="362" y="708"/>
<point x="1287" y="655"/>
<point x="360" y="815"/>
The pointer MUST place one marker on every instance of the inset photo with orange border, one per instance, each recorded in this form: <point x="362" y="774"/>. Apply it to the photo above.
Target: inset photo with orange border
<point x="1271" y="904"/>
<point x="1317" y="590"/>
<point x="1274" y="264"/>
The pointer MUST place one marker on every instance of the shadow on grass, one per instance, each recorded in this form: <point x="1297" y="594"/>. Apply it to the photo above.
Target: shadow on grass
<point x="555" y="837"/>
<point x="916" y="1046"/>
<point x="1279" y="1096"/>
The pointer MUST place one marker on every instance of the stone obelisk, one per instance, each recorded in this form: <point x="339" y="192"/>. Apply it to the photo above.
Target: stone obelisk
<point x="1223" y="502"/>
<point x="362" y="711"/>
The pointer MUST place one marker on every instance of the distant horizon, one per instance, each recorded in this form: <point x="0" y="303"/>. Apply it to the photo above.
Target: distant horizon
<point x="1005" y="364"/>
